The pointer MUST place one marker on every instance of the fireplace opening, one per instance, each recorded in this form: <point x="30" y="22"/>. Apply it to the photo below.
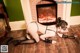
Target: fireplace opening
<point x="46" y="12"/>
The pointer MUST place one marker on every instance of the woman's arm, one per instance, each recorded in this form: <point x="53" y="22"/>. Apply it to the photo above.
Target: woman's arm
<point x="61" y="31"/>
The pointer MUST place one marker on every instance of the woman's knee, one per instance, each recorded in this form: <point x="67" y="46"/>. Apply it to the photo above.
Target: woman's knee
<point x="37" y="40"/>
<point x="42" y="37"/>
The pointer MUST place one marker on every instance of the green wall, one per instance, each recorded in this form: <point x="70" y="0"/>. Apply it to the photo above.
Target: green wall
<point x="1" y="1"/>
<point x="75" y="8"/>
<point x="14" y="10"/>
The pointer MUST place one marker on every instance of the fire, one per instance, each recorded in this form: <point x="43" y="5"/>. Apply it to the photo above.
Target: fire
<point x="43" y="18"/>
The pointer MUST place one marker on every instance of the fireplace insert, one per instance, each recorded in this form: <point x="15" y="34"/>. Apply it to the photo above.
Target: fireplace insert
<point x="46" y="12"/>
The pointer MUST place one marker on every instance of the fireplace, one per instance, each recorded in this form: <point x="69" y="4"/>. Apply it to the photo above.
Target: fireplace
<point x="46" y="12"/>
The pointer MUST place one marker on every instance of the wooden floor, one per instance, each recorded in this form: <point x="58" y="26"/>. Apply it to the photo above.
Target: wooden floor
<point x="62" y="45"/>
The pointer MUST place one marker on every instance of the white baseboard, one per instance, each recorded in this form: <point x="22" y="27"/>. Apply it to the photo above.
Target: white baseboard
<point x="18" y="25"/>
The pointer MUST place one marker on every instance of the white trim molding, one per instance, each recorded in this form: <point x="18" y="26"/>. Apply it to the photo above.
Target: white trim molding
<point x="64" y="11"/>
<point x="72" y="20"/>
<point x="26" y="10"/>
<point x="17" y="25"/>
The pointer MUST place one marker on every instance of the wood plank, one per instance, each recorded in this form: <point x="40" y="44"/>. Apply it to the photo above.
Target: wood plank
<point x="40" y="47"/>
<point x="29" y="48"/>
<point x="62" y="46"/>
<point x="10" y="48"/>
<point x="72" y="46"/>
<point x="18" y="49"/>
<point x="51" y="48"/>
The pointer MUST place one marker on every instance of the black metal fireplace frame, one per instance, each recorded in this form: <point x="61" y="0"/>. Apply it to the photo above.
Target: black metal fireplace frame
<point x="47" y="5"/>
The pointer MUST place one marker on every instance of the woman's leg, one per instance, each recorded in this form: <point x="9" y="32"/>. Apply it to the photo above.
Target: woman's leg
<point x="48" y="34"/>
<point x="32" y="29"/>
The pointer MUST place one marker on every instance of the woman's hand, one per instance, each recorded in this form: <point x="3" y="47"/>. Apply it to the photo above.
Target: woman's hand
<point x="60" y="32"/>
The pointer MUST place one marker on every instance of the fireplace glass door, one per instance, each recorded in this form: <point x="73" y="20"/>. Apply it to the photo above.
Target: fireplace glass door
<point x="46" y="14"/>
